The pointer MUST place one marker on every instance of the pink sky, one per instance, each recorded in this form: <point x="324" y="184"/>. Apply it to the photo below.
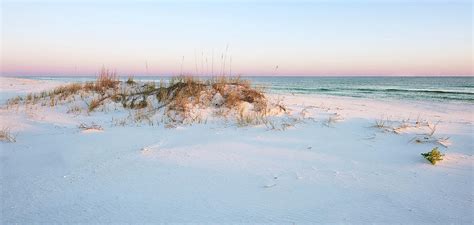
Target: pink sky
<point x="347" y="38"/>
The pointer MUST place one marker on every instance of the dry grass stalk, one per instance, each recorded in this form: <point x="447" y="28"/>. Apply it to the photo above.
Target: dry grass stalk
<point x="74" y="109"/>
<point x="332" y="120"/>
<point x="6" y="136"/>
<point x="428" y="137"/>
<point x="443" y="141"/>
<point x="382" y="124"/>
<point x="92" y="126"/>
<point x="106" y="80"/>
<point x="130" y="81"/>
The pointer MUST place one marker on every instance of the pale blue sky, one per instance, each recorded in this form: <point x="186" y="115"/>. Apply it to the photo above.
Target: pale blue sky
<point x="302" y="38"/>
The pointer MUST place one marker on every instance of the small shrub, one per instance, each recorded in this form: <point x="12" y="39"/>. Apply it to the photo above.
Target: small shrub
<point x="433" y="156"/>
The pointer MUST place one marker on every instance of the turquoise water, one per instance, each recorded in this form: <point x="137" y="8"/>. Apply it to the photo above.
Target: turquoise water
<point x="441" y="89"/>
<point x="404" y="88"/>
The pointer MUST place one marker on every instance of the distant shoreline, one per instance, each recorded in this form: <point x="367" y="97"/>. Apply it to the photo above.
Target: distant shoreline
<point x="434" y="89"/>
<point x="252" y="75"/>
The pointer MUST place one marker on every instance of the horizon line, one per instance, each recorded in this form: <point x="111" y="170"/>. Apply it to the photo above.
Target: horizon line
<point x="246" y="75"/>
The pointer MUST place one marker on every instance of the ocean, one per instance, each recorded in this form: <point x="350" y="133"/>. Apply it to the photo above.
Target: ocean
<point x="439" y="89"/>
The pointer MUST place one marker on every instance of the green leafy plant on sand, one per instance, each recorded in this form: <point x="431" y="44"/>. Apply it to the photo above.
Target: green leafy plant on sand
<point x="433" y="156"/>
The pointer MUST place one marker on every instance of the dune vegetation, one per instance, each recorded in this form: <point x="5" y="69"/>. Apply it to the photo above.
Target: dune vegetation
<point x="181" y="100"/>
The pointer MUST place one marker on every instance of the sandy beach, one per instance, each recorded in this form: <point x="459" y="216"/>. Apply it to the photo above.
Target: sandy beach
<point x="333" y="163"/>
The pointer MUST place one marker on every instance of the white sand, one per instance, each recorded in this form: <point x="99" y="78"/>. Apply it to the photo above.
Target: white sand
<point x="315" y="172"/>
<point x="20" y="85"/>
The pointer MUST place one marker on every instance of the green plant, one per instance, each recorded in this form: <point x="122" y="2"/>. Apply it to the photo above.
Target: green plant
<point x="433" y="156"/>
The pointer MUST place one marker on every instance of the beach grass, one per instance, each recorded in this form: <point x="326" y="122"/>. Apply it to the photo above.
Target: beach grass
<point x="177" y="99"/>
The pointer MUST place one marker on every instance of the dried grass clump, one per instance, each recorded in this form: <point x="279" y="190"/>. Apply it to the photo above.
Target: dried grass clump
<point x="6" y="136"/>
<point x="236" y="91"/>
<point x="105" y="86"/>
<point x="130" y="81"/>
<point x="106" y="80"/>
<point x="58" y="94"/>
<point x="183" y="94"/>
<point x="94" y="104"/>
<point x="65" y="91"/>
<point x="383" y="124"/>
<point x="332" y="119"/>
<point x="429" y="129"/>
<point x="246" y="119"/>
<point x="74" y="109"/>
<point x="14" y="101"/>
<point x="443" y="141"/>
<point x="92" y="126"/>
<point x="89" y="86"/>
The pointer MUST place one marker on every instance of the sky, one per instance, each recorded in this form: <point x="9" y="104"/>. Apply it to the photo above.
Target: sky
<point x="322" y="38"/>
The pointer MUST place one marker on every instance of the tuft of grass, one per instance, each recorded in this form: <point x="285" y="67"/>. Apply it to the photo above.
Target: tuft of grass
<point x="63" y="92"/>
<point x="106" y="80"/>
<point x="92" y="126"/>
<point x="381" y="123"/>
<point x="73" y="109"/>
<point x="245" y="119"/>
<point x="14" y="101"/>
<point x="6" y="136"/>
<point x="94" y="104"/>
<point x="130" y="81"/>
<point x="433" y="156"/>
<point x="332" y="119"/>
<point x="443" y="141"/>
<point x="432" y="128"/>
